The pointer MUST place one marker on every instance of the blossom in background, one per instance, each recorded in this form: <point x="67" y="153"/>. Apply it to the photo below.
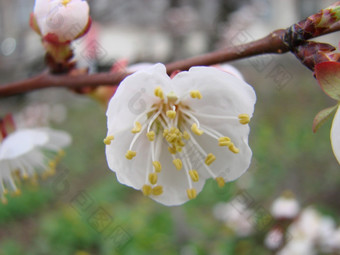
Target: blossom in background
<point x="236" y="216"/>
<point x="285" y="207"/>
<point x="310" y="234"/>
<point x="60" y="21"/>
<point x="26" y="153"/>
<point x="167" y="136"/>
<point x="328" y="76"/>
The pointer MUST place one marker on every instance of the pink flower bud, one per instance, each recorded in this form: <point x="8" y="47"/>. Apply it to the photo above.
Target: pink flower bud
<point x="60" y="21"/>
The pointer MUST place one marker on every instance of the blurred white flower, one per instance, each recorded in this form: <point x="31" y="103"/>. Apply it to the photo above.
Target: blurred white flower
<point x="333" y="243"/>
<point x="285" y="207"/>
<point x="170" y="135"/>
<point x="61" y="21"/>
<point x="274" y="239"/>
<point x="26" y="153"/>
<point x="310" y="233"/>
<point x="39" y="115"/>
<point x="236" y="216"/>
<point x="298" y="247"/>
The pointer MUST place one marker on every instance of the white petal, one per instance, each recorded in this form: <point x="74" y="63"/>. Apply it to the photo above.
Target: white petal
<point x="335" y="135"/>
<point x="21" y="142"/>
<point x="134" y="172"/>
<point x="230" y="69"/>
<point x="223" y="93"/>
<point x="56" y="139"/>
<point x="134" y="95"/>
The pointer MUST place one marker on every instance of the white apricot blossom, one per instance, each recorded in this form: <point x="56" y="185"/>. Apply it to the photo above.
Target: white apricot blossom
<point x="167" y="136"/>
<point x="26" y="153"/>
<point x="285" y="207"/>
<point x="61" y="21"/>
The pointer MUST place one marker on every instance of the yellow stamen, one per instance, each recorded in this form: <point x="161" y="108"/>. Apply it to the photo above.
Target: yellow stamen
<point x="220" y="181"/>
<point x="244" y="118"/>
<point x="195" y="94"/>
<point x="16" y="192"/>
<point x="171" y="114"/>
<point x="209" y="159"/>
<point x="157" y="165"/>
<point x="186" y="135"/>
<point x="194" y="175"/>
<point x="172" y="150"/>
<point x="137" y="128"/>
<point x="159" y="92"/>
<point x="25" y="176"/>
<point x="130" y="154"/>
<point x="191" y="193"/>
<point x="233" y="148"/>
<point x="178" y="163"/>
<point x="52" y="164"/>
<point x="153" y="178"/>
<point x="108" y="139"/>
<point x="146" y="190"/>
<point x="5" y="191"/>
<point x="65" y="2"/>
<point x="158" y="190"/>
<point x="151" y="136"/>
<point x="224" y="141"/>
<point x="172" y="97"/>
<point x="195" y="129"/>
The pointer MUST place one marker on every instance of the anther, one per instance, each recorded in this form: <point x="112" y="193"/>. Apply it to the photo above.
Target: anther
<point x="137" y="128"/>
<point x="195" y="94"/>
<point x="178" y="163"/>
<point x="130" y="154"/>
<point x="159" y="92"/>
<point x="65" y="2"/>
<point x="172" y="97"/>
<point x="244" y="118"/>
<point x="153" y="178"/>
<point x="233" y="148"/>
<point x="108" y="139"/>
<point x="172" y="150"/>
<point x="186" y="135"/>
<point x="224" y="141"/>
<point x="158" y="190"/>
<point x="196" y="130"/>
<point x="25" y="176"/>
<point x="151" y="136"/>
<point x="194" y="175"/>
<point x="220" y="181"/>
<point x="157" y="165"/>
<point x="146" y="190"/>
<point x="16" y="192"/>
<point x="191" y="193"/>
<point x="171" y="114"/>
<point x="210" y="159"/>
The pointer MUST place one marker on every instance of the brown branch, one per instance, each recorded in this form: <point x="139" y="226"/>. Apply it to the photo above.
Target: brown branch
<point x="272" y="43"/>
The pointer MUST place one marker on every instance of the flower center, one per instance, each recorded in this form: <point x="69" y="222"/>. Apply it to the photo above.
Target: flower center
<point x="171" y="122"/>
